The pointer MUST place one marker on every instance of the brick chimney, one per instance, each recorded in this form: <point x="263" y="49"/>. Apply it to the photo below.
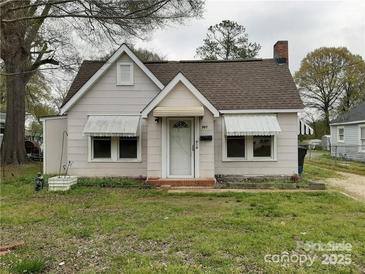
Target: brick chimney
<point x="281" y="52"/>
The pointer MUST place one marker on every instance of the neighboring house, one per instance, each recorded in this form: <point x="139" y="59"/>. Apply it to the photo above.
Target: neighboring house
<point x="348" y="134"/>
<point x="178" y="122"/>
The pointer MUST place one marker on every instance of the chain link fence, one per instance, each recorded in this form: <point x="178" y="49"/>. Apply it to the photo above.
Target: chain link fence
<point x="348" y="152"/>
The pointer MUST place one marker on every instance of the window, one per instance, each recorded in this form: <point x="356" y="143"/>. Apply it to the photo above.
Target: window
<point x="101" y="147"/>
<point x="362" y="138"/>
<point x="340" y="134"/>
<point x="236" y="147"/>
<point x="128" y="147"/>
<point x="262" y="146"/>
<point x="125" y="74"/>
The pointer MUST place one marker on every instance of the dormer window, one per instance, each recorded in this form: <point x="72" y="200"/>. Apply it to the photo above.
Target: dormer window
<point x="125" y="74"/>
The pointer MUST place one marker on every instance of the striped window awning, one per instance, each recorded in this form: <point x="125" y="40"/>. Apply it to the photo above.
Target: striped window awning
<point x="112" y="125"/>
<point x="249" y="125"/>
<point x="304" y="129"/>
<point x="178" y="111"/>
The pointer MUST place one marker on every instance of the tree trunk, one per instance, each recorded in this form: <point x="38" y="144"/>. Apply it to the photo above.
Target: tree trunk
<point x="327" y="120"/>
<point x="13" y="148"/>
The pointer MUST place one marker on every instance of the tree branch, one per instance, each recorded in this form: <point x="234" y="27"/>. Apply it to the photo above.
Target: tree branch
<point x="45" y="61"/>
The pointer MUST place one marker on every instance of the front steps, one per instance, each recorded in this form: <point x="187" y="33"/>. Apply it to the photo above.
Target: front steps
<point x="194" y="182"/>
<point x="61" y="183"/>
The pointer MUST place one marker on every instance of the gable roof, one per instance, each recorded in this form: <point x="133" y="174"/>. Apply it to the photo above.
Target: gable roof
<point x="179" y="78"/>
<point x="228" y="85"/>
<point x="356" y="114"/>
<point x="83" y="81"/>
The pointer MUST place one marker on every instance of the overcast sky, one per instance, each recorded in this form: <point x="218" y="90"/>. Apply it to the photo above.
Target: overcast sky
<point x="307" y="25"/>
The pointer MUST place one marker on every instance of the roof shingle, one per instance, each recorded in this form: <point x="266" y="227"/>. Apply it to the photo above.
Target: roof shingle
<point x="228" y="85"/>
<point x="355" y="114"/>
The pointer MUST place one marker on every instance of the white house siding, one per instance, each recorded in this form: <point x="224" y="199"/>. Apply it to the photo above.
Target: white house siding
<point x="349" y="148"/>
<point x="154" y="161"/>
<point x="206" y="148"/>
<point x="287" y="152"/>
<point x="105" y="97"/>
<point x="53" y="129"/>
<point x="180" y="96"/>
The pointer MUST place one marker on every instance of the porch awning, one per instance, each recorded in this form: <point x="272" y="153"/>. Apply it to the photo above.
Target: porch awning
<point x="178" y="111"/>
<point x="243" y="125"/>
<point x="112" y="125"/>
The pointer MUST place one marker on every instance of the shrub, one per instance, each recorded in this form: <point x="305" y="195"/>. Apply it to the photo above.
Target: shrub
<point x="122" y="182"/>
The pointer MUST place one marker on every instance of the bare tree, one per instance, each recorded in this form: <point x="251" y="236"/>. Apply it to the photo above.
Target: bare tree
<point x="34" y="34"/>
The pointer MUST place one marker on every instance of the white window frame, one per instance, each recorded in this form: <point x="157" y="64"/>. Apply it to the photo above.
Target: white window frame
<point x="138" y="159"/>
<point x="233" y="159"/>
<point x="91" y="150"/>
<point x="119" y="78"/>
<point x="115" y="151"/>
<point x="248" y="150"/>
<point x="273" y="150"/>
<point x="361" y="148"/>
<point x="338" y="135"/>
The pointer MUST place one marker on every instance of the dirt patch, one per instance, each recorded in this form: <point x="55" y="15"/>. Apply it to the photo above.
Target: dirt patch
<point x="352" y="184"/>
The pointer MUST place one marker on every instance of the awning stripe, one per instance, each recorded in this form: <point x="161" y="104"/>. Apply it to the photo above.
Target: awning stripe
<point x="304" y="129"/>
<point x="178" y="111"/>
<point x="112" y="125"/>
<point x="249" y="125"/>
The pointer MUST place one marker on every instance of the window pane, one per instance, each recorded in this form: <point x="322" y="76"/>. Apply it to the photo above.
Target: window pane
<point x="262" y="146"/>
<point x="102" y="147"/>
<point x="236" y="146"/>
<point x="341" y="133"/>
<point x="128" y="148"/>
<point x="125" y="73"/>
<point x="362" y="132"/>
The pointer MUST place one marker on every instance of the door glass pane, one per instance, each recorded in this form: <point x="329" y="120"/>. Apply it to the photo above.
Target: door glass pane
<point x="102" y="147"/>
<point x="180" y="147"/>
<point x="262" y="146"/>
<point x="236" y="146"/>
<point x="128" y="148"/>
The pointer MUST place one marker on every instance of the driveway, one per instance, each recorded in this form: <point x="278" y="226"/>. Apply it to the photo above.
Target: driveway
<point x="351" y="184"/>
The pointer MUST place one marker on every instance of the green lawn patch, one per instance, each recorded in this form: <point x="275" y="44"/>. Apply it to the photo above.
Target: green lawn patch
<point x="29" y="266"/>
<point x="113" y="230"/>
<point x="328" y="166"/>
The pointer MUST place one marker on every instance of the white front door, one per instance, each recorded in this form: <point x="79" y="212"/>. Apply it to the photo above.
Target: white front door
<point x="180" y="154"/>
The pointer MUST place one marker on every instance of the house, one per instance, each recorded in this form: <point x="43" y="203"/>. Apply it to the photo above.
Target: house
<point x="348" y="134"/>
<point x="177" y="122"/>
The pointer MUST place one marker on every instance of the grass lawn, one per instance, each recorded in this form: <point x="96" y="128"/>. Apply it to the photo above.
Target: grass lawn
<point x="113" y="230"/>
<point x="326" y="166"/>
